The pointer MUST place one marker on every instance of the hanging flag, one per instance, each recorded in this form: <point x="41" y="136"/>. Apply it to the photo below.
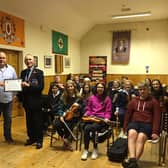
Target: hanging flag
<point x="59" y="43"/>
<point x="11" y="30"/>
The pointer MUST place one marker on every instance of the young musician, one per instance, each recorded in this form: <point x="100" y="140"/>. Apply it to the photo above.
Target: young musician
<point x="99" y="105"/>
<point x="69" y="112"/>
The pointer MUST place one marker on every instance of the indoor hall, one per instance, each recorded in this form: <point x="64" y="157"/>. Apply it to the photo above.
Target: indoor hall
<point x="89" y="31"/>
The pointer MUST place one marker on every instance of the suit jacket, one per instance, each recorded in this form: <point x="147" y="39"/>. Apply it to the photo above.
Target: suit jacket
<point x="31" y="96"/>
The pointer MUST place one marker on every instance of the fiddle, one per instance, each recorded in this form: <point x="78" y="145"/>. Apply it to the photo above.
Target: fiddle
<point x="90" y="119"/>
<point x="96" y="119"/>
<point x="70" y="112"/>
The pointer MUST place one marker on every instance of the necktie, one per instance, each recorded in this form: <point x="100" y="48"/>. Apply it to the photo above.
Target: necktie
<point x="27" y="74"/>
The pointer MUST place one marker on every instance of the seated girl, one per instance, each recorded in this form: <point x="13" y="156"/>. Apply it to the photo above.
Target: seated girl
<point x="99" y="105"/>
<point x="67" y="115"/>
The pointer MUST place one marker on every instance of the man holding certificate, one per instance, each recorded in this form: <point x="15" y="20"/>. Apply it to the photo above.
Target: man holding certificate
<point x="32" y="86"/>
<point x="7" y="72"/>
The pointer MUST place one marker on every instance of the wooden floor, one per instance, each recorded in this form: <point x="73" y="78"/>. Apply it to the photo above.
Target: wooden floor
<point x="18" y="156"/>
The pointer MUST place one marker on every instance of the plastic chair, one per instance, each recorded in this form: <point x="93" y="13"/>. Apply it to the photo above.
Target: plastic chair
<point x="162" y="141"/>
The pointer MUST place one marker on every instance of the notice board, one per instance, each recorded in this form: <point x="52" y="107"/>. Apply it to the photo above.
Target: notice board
<point x="98" y="68"/>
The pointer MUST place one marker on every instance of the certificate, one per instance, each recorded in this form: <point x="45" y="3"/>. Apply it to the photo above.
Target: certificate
<point x="12" y="85"/>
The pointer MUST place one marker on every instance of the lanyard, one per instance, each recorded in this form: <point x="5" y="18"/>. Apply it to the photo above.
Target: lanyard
<point x="28" y="74"/>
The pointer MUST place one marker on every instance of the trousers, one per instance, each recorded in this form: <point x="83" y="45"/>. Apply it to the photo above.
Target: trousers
<point x="6" y="110"/>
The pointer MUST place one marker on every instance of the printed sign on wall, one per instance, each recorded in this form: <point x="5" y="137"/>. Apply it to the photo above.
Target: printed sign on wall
<point x="11" y="30"/>
<point x="97" y="67"/>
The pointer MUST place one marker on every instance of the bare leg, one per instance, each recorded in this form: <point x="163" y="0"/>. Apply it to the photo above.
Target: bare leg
<point x="132" y="138"/>
<point x="140" y="144"/>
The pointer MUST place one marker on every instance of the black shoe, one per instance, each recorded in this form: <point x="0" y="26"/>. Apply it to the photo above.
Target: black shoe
<point x="130" y="163"/>
<point x="133" y="165"/>
<point x="39" y="145"/>
<point x="29" y="142"/>
<point x="125" y="163"/>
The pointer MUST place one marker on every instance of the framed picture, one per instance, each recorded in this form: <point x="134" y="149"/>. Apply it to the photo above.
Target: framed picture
<point x="35" y="61"/>
<point x="121" y="47"/>
<point x="67" y="62"/>
<point x="47" y="61"/>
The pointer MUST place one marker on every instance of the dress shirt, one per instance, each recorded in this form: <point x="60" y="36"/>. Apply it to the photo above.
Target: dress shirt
<point x="7" y="72"/>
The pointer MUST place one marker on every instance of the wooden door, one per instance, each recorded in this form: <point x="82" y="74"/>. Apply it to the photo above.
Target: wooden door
<point x="13" y="59"/>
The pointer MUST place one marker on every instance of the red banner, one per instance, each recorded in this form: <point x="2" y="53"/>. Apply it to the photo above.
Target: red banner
<point x="11" y="30"/>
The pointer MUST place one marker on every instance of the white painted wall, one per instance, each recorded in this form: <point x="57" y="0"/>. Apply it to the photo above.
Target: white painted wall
<point x="147" y="47"/>
<point x="38" y="42"/>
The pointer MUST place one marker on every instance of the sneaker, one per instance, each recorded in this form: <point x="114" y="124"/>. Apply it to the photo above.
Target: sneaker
<point x="94" y="154"/>
<point x="84" y="155"/>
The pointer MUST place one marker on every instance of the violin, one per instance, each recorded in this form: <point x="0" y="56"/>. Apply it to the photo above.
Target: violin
<point x="96" y="119"/>
<point x="91" y="119"/>
<point x="70" y="113"/>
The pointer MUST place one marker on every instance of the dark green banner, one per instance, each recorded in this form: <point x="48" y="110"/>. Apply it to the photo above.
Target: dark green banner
<point x="59" y="43"/>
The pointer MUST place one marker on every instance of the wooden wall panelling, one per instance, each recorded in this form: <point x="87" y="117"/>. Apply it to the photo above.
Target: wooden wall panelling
<point x="135" y="78"/>
<point x="49" y="79"/>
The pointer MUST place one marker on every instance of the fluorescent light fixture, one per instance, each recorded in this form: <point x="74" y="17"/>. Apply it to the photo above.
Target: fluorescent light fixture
<point x="131" y="15"/>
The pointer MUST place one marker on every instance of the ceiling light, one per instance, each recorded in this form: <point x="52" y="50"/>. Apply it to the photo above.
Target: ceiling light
<point x="131" y="15"/>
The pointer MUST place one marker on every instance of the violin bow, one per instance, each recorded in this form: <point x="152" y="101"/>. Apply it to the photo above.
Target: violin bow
<point x="74" y="137"/>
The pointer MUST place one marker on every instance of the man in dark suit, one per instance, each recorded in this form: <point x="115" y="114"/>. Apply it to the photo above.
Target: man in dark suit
<point x="32" y="84"/>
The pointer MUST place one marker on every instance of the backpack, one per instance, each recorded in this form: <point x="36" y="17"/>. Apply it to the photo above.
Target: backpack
<point x="118" y="151"/>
